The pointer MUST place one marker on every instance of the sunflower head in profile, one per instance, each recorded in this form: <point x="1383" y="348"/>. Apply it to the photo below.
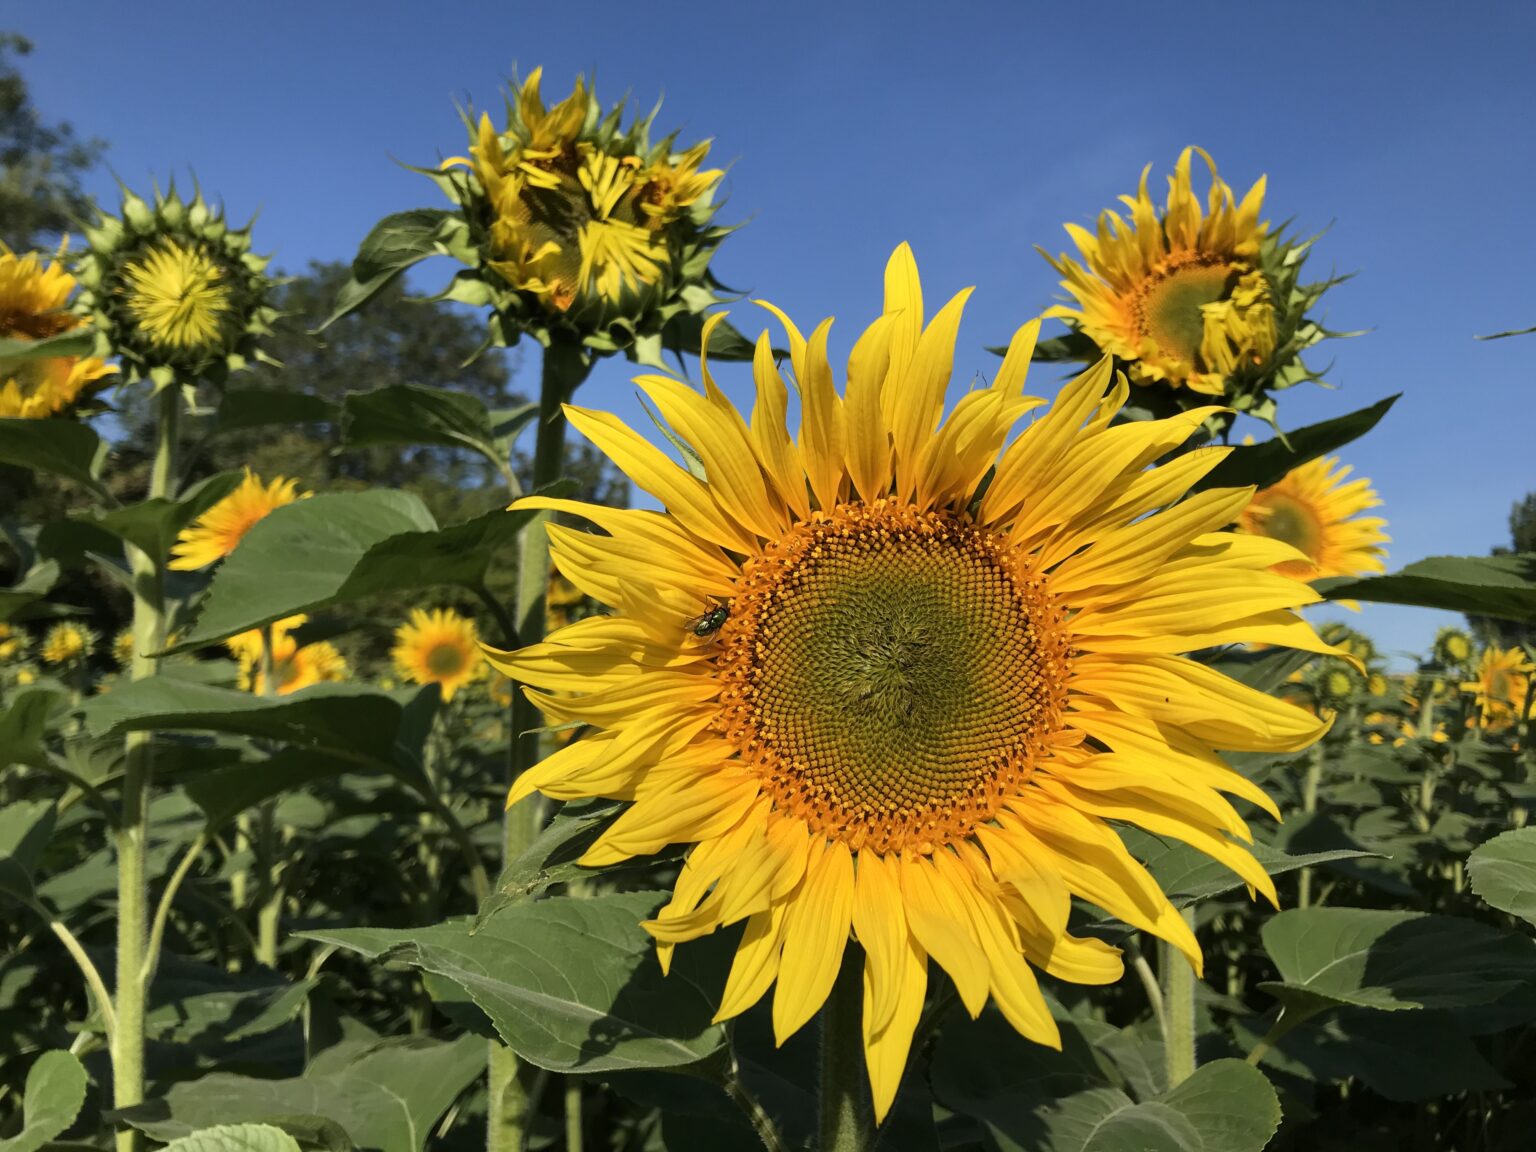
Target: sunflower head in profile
<point x="35" y="306"/>
<point x="578" y="226"/>
<point x="67" y="644"/>
<point x="1500" y="686"/>
<point x="438" y="647"/>
<point x="176" y="294"/>
<point x="1453" y="648"/>
<point x="1204" y="301"/>
<point x="293" y="665"/>
<point x="214" y="534"/>
<point x="900" y="676"/>
<point x="1318" y="510"/>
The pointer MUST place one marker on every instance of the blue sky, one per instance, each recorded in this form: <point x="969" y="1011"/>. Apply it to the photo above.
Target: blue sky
<point x="971" y="130"/>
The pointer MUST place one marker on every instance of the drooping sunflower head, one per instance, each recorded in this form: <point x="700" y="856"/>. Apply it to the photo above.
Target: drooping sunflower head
<point x="175" y="292"/>
<point x="214" y="534"/>
<point x="1201" y="300"/>
<point x="1500" y="685"/>
<point x="34" y="305"/>
<point x="293" y="666"/>
<point x="574" y="222"/>
<point x="67" y="643"/>
<point x="438" y="647"/>
<point x="1317" y="510"/>
<point x="901" y="675"/>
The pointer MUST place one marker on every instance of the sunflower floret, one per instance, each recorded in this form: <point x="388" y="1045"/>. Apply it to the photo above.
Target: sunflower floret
<point x="944" y="663"/>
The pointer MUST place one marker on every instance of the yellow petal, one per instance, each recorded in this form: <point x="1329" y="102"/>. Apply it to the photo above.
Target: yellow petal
<point x="815" y="934"/>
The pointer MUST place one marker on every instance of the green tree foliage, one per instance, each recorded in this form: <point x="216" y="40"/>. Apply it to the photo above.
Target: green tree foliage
<point x="40" y="163"/>
<point x="1522" y="539"/>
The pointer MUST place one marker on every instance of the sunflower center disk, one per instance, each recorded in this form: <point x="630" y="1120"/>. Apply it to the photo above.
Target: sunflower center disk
<point x="445" y="660"/>
<point x="1168" y="308"/>
<point x="892" y="673"/>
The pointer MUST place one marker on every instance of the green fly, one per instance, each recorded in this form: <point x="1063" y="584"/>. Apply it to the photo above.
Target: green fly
<point x="706" y="625"/>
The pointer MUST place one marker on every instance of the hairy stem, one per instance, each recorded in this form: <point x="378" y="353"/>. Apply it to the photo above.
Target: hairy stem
<point x="148" y="577"/>
<point x="847" y="1120"/>
<point x="1178" y="992"/>
<point x="1309" y="805"/>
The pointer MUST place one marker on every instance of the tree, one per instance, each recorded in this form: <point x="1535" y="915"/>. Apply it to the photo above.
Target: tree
<point x="1522" y="538"/>
<point x="40" y="164"/>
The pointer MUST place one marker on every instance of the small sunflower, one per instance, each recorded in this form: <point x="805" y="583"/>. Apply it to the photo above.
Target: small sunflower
<point x="1453" y="647"/>
<point x="901" y="676"/>
<point x="1500" y="684"/>
<point x="122" y="648"/>
<point x="1316" y="510"/>
<point x="293" y="667"/>
<point x="438" y="647"/>
<point x="214" y="534"/>
<point x="34" y="305"/>
<point x="175" y="293"/>
<point x="13" y="644"/>
<point x="67" y="643"/>
<point x="1205" y="301"/>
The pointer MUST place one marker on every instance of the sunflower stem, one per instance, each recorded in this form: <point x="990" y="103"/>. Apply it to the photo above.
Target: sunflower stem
<point x="1309" y="787"/>
<point x="846" y="1110"/>
<point x="565" y="366"/>
<point x="148" y="576"/>
<point x="1178" y="977"/>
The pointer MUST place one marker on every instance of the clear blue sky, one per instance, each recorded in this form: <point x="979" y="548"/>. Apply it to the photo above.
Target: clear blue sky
<point x="971" y="130"/>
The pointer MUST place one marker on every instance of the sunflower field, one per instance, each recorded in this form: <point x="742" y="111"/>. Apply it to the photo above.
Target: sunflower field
<point x="921" y="746"/>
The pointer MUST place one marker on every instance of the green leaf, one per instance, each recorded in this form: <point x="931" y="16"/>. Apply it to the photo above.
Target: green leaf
<point x="396" y="242"/>
<point x="414" y="414"/>
<point x="1264" y="464"/>
<point x="458" y="554"/>
<point x="153" y="525"/>
<point x="63" y="447"/>
<point x="351" y="721"/>
<point x="570" y="984"/>
<point x="24" y="724"/>
<point x="223" y="793"/>
<point x="551" y="858"/>
<point x="1072" y="346"/>
<point x="236" y="1138"/>
<point x="386" y="1095"/>
<point x="1188" y="875"/>
<point x="1503" y="872"/>
<point x="55" y="1092"/>
<point x="79" y="342"/>
<point x="1391" y="961"/>
<point x="1502" y="586"/>
<point x="299" y="558"/>
<point x="26" y="826"/>
<point x="37" y="583"/>
<point x="243" y="408"/>
<point x="683" y="335"/>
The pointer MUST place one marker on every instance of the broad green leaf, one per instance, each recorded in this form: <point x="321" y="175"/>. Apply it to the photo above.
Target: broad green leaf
<point x="571" y="984"/>
<point x="551" y="858"/>
<point x="153" y="525"/>
<point x="26" y="826"/>
<point x="1264" y="464"/>
<point x="78" y="342"/>
<point x="1391" y="961"/>
<point x="1503" y="872"/>
<point x="33" y="586"/>
<point x="224" y="793"/>
<point x="414" y="414"/>
<point x="23" y="725"/>
<point x="258" y="407"/>
<point x="396" y="242"/>
<point x="684" y="335"/>
<point x="386" y="1097"/>
<point x="65" y="448"/>
<point x="299" y="557"/>
<point x="54" y="1094"/>
<point x="353" y="722"/>
<point x="1188" y="875"/>
<point x="236" y="1138"/>
<point x="458" y="554"/>
<point x="1502" y="586"/>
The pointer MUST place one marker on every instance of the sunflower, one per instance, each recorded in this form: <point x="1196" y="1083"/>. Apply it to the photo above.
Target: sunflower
<point x="1501" y="685"/>
<point x="293" y="667"/>
<point x="12" y="643"/>
<point x="900" y="676"/>
<point x="214" y="534"/>
<point x="438" y="647"/>
<point x="1453" y="647"/>
<point x="179" y="295"/>
<point x="67" y="643"/>
<point x="122" y="647"/>
<point x="1207" y="301"/>
<point x="1316" y="510"/>
<point x="34" y="300"/>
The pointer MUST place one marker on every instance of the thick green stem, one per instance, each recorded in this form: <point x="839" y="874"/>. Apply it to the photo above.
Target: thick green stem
<point x="565" y="367"/>
<point x="573" y="1128"/>
<point x="1178" y="980"/>
<point x="148" y="574"/>
<point x="1309" y="805"/>
<point x="847" y="1115"/>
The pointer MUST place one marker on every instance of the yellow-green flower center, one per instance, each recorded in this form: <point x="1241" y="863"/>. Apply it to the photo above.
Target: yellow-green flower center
<point x="891" y="673"/>
<point x="179" y="296"/>
<point x="1293" y="523"/>
<point x="1168" y="308"/>
<point x="444" y="660"/>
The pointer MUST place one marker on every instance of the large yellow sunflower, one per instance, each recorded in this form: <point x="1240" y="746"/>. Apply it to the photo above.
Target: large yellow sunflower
<point x="34" y="300"/>
<point x="214" y="534"/>
<point x="883" y="689"/>
<point x="1180" y="297"/>
<point x="293" y="667"/>
<point x="179" y="295"/>
<point x="438" y="647"/>
<point x="1317" y="510"/>
<point x="1501" y="684"/>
